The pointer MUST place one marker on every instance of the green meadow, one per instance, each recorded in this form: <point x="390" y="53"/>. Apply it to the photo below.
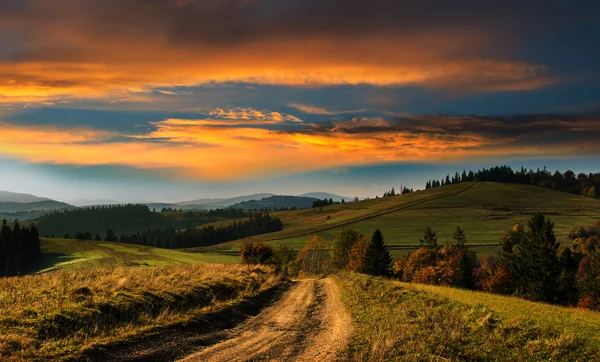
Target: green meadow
<point x="71" y="254"/>
<point x="485" y="210"/>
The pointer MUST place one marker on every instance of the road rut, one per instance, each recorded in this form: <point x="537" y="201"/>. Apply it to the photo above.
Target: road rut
<point x="309" y="323"/>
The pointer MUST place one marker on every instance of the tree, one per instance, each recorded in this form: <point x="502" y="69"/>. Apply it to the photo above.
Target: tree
<point x="313" y="258"/>
<point x="342" y="245"/>
<point x="459" y="237"/>
<point x="429" y="239"/>
<point x="536" y="262"/>
<point x="589" y="284"/>
<point x="255" y="253"/>
<point x="110" y="235"/>
<point x="378" y="260"/>
<point x="358" y="254"/>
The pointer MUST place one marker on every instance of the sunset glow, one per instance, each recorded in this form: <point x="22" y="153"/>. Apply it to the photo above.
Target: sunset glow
<point x="235" y="91"/>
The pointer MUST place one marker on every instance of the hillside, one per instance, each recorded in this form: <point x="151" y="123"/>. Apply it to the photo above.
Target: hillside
<point x="326" y="195"/>
<point x="276" y="202"/>
<point x="24" y="207"/>
<point x="70" y="254"/>
<point x="485" y="210"/>
<point x="406" y="322"/>
<point x="220" y="203"/>
<point x="7" y="196"/>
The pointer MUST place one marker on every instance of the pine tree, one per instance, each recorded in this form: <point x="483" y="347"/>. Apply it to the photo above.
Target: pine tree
<point x="536" y="261"/>
<point x="459" y="237"/>
<point x="429" y="239"/>
<point x="378" y="258"/>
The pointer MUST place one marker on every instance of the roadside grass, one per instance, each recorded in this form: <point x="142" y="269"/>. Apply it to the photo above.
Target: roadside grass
<point x="399" y="322"/>
<point x="71" y="254"/>
<point x="55" y="316"/>
<point x="579" y="322"/>
<point x="484" y="210"/>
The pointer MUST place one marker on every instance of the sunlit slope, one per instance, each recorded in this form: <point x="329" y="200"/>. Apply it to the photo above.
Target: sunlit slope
<point x="485" y="210"/>
<point x="69" y="254"/>
<point x="572" y="321"/>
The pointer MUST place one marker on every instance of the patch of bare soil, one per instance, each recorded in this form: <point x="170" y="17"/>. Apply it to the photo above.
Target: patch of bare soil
<point x="309" y="323"/>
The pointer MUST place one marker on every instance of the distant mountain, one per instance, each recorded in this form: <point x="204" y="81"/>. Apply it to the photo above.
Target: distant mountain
<point x="220" y="203"/>
<point x="276" y="202"/>
<point x="94" y="202"/>
<point x="6" y="196"/>
<point x="12" y="202"/>
<point x="12" y="207"/>
<point x="325" y="195"/>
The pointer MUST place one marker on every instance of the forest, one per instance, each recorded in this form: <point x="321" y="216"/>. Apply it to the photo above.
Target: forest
<point x="581" y="184"/>
<point x="124" y="219"/>
<point x="259" y="223"/>
<point x="19" y="249"/>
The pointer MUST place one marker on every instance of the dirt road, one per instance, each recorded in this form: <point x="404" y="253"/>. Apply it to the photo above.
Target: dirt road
<point x="309" y="323"/>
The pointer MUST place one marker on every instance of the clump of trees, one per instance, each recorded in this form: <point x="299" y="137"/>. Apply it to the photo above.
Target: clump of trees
<point x="324" y="202"/>
<point x="352" y="251"/>
<point x="531" y="264"/>
<point x="19" y="249"/>
<point x="452" y="265"/>
<point x="583" y="184"/>
<point x="84" y="222"/>
<point x="257" y="224"/>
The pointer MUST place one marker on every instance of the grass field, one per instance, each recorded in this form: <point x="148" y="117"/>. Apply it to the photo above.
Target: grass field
<point x="71" y="254"/>
<point x="56" y="316"/>
<point x="484" y="210"/>
<point x="404" y="322"/>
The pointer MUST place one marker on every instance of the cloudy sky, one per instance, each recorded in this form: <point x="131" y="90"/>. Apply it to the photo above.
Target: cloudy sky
<point x="169" y="100"/>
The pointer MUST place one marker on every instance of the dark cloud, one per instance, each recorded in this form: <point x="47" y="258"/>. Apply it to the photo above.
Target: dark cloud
<point x="532" y="128"/>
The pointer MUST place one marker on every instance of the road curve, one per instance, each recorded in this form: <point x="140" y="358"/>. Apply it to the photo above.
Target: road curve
<point x="309" y="323"/>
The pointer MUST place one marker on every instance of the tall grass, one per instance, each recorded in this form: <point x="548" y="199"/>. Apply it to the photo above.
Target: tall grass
<point x="55" y="315"/>
<point x="396" y="323"/>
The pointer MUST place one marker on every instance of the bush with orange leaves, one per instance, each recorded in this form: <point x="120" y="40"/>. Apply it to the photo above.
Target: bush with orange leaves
<point x="357" y="260"/>
<point x="452" y="266"/>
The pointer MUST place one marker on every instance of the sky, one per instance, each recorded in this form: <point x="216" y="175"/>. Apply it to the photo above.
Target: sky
<point x="172" y="100"/>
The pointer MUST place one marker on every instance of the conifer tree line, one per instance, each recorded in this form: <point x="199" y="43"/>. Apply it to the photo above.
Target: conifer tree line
<point x="81" y="223"/>
<point x="19" y="249"/>
<point x="581" y="184"/>
<point x="259" y="223"/>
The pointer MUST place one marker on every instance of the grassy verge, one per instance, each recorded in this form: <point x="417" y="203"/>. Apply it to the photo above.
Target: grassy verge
<point x="57" y="315"/>
<point x="397" y="322"/>
<point x="71" y="254"/>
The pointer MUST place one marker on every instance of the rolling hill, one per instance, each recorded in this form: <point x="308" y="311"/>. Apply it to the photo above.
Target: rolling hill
<point x="12" y="202"/>
<point x="276" y="202"/>
<point x="71" y="254"/>
<point x="326" y="195"/>
<point x="220" y="203"/>
<point x="485" y="210"/>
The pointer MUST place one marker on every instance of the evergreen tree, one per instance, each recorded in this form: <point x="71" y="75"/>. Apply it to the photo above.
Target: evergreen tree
<point x="465" y="278"/>
<point x="568" y="292"/>
<point x="429" y="239"/>
<point x="536" y="261"/>
<point x="459" y="237"/>
<point x="378" y="258"/>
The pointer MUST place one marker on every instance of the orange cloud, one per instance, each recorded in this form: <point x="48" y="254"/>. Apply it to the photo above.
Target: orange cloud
<point x="70" y="50"/>
<point x="308" y="109"/>
<point x="218" y="150"/>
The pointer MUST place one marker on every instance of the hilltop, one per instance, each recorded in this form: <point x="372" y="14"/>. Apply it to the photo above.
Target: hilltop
<point x="276" y="202"/>
<point x="23" y="204"/>
<point x="484" y="209"/>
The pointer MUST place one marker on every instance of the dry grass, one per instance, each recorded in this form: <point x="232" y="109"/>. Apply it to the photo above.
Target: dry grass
<point x="56" y="315"/>
<point x="397" y="323"/>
